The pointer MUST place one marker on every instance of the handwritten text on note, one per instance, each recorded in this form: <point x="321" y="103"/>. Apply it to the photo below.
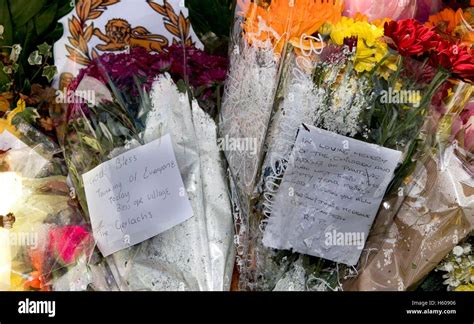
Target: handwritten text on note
<point x="329" y="195"/>
<point x="136" y="196"/>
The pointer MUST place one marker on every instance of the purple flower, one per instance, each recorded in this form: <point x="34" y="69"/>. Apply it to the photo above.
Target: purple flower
<point x="182" y="63"/>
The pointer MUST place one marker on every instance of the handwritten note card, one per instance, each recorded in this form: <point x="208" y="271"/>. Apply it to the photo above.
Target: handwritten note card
<point x="136" y="196"/>
<point x="329" y="195"/>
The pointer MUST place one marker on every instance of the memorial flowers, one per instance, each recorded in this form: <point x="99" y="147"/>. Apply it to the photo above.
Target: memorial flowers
<point x="458" y="268"/>
<point x="141" y="99"/>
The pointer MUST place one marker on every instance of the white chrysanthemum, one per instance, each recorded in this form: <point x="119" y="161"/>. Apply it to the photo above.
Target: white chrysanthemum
<point x="458" y="251"/>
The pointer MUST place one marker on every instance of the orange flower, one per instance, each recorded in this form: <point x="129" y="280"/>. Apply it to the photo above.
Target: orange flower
<point x="37" y="279"/>
<point x="4" y="104"/>
<point x="282" y="21"/>
<point x="447" y="20"/>
<point x="454" y="25"/>
<point x="380" y="22"/>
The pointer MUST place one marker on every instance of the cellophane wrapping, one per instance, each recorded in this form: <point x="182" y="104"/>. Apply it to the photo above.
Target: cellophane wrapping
<point x="138" y="98"/>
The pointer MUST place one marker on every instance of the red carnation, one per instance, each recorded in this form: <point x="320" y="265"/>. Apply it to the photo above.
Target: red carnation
<point x="454" y="58"/>
<point x="410" y="38"/>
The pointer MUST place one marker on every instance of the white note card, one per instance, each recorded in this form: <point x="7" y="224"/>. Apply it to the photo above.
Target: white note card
<point x="329" y="195"/>
<point x="136" y="196"/>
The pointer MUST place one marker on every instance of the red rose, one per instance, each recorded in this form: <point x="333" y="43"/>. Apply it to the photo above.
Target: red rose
<point x="410" y="38"/>
<point x="454" y="58"/>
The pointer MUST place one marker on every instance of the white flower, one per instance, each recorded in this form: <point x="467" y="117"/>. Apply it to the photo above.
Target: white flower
<point x="2" y="29"/>
<point x="15" y="54"/>
<point x="448" y="267"/>
<point x="467" y="249"/>
<point x="452" y="282"/>
<point x="458" y="251"/>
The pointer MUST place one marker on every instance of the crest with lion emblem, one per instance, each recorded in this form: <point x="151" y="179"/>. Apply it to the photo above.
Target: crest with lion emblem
<point x="119" y="34"/>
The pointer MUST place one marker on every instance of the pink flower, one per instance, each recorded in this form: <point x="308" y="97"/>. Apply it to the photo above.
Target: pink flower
<point x="463" y="127"/>
<point x="69" y="242"/>
<point x="379" y="9"/>
<point x="467" y="117"/>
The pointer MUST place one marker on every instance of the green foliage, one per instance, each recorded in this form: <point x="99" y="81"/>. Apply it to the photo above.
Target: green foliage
<point x="30" y="23"/>
<point x="212" y="20"/>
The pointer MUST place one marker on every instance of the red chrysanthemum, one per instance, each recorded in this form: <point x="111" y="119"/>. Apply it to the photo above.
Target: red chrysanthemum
<point x="410" y="38"/>
<point x="456" y="59"/>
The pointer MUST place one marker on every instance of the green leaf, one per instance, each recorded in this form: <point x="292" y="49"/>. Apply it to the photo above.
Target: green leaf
<point x="35" y="58"/>
<point x="4" y="79"/>
<point x="106" y="132"/>
<point x="46" y="19"/>
<point x="212" y="21"/>
<point x="23" y="11"/>
<point x="64" y="7"/>
<point x="45" y="49"/>
<point x="30" y="115"/>
<point x="49" y="72"/>
<point x="92" y="142"/>
<point x="6" y="22"/>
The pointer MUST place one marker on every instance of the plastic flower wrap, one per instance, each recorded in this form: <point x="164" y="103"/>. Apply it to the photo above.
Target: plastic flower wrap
<point x="139" y="98"/>
<point x="263" y="32"/>
<point x="263" y="35"/>
<point x="374" y="9"/>
<point x="458" y="267"/>
<point x="358" y="88"/>
<point x="43" y="234"/>
<point x="463" y="129"/>
<point x="435" y="216"/>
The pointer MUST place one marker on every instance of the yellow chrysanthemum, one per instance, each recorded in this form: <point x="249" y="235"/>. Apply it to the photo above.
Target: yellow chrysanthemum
<point x="370" y="48"/>
<point x="6" y="124"/>
<point x="469" y="287"/>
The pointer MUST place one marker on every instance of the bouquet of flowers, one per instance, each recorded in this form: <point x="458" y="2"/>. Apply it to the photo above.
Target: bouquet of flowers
<point x="359" y="88"/>
<point x="263" y="32"/>
<point x="459" y="268"/>
<point x="139" y="99"/>
<point x="26" y="60"/>
<point x="431" y="225"/>
<point x="45" y="240"/>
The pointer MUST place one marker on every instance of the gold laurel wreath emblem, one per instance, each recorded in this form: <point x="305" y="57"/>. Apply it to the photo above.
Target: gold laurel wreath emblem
<point x="178" y="25"/>
<point x="87" y="10"/>
<point x="81" y="31"/>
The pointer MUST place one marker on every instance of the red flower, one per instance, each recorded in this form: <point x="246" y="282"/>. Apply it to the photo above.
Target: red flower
<point x="454" y="58"/>
<point x="69" y="242"/>
<point x="410" y="38"/>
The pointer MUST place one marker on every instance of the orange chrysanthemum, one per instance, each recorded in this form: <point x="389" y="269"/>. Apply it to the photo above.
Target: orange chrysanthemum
<point x="283" y="21"/>
<point x="454" y="24"/>
<point x="448" y="20"/>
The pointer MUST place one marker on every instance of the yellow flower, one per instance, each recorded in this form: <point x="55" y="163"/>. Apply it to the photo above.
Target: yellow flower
<point x="468" y="287"/>
<point x="17" y="282"/>
<point x="371" y="49"/>
<point x="6" y="124"/>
